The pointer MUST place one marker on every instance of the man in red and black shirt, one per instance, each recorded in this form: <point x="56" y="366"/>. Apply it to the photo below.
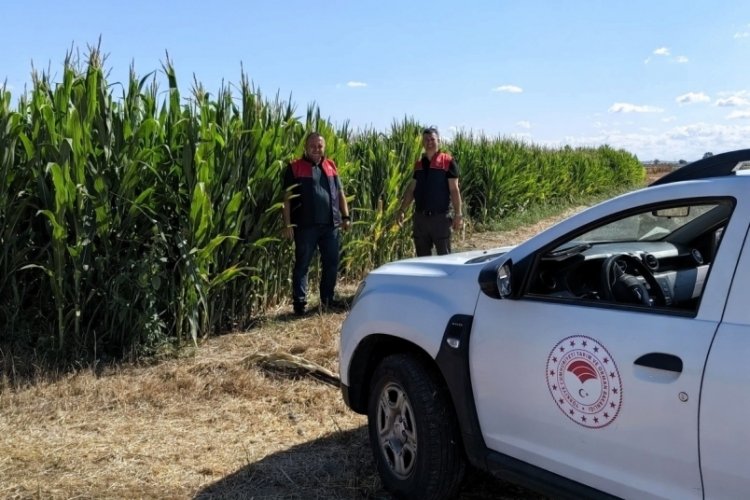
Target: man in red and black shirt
<point x="434" y="188"/>
<point x="314" y="209"/>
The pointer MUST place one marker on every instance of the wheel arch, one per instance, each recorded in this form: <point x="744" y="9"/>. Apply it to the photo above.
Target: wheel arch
<point x="451" y="366"/>
<point x="368" y="355"/>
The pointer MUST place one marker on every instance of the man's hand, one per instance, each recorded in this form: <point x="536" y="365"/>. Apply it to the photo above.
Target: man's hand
<point x="288" y="232"/>
<point x="400" y="217"/>
<point x="346" y="224"/>
<point x="458" y="221"/>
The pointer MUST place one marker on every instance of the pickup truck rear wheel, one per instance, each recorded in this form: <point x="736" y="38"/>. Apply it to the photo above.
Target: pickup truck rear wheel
<point x="413" y="431"/>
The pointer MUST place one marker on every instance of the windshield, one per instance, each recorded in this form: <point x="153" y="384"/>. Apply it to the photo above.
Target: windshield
<point x="646" y="226"/>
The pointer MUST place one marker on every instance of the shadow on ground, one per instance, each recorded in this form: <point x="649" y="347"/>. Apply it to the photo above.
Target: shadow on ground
<point x="339" y="466"/>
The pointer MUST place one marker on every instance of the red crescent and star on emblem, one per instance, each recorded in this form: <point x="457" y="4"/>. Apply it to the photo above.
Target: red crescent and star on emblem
<point x="584" y="381"/>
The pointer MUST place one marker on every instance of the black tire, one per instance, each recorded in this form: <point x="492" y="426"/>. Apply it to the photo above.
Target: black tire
<point x="413" y="431"/>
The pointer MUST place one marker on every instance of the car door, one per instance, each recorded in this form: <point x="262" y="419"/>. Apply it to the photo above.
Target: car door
<point x="603" y="394"/>
<point x="725" y="399"/>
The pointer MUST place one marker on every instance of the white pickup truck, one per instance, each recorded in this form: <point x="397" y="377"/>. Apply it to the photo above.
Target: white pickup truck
<point x="608" y="356"/>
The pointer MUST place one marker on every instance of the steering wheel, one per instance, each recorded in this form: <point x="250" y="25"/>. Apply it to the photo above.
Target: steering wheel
<point x="617" y="285"/>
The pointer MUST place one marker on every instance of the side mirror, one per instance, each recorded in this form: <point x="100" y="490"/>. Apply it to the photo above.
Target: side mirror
<point x="495" y="280"/>
<point x="504" y="280"/>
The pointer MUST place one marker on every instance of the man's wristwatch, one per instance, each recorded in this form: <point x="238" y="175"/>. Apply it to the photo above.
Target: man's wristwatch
<point x="346" y="217"/>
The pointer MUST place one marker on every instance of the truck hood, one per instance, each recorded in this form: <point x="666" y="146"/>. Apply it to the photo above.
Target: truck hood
<point x="440" y="265"/>
<point x="415" y="298"/>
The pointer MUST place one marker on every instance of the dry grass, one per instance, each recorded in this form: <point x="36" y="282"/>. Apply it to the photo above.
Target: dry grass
<point x="211" y="425"/>
<point x="661" y="168"/>
<point x="491" y="239"/>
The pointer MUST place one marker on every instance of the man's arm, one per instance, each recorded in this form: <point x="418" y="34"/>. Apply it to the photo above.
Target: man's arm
<point x="346" y="220"/>
<point x="287" y="231"/>
<point x="406" y="200"/>
<point x="456" y="201"/>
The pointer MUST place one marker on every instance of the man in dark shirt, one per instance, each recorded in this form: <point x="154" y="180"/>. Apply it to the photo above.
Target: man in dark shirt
<point x="314" y="209"/>
<point x="434" y="188"/>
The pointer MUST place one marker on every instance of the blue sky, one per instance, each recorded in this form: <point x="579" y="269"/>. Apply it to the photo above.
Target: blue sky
<point x="663" y="79"/>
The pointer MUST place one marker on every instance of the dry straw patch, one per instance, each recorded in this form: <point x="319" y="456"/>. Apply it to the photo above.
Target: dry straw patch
<point x="490" y="239"/>
<point x="211" y="425"/>
<point x="184" y="426"/>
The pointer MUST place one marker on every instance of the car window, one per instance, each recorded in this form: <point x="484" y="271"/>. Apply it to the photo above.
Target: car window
<point x="651" y="225"/>
<point x="656" y="258"/>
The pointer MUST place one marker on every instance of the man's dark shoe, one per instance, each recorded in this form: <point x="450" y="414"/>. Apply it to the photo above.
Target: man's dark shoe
<point x="299" y="309"/>
<point x="334" y="305"/>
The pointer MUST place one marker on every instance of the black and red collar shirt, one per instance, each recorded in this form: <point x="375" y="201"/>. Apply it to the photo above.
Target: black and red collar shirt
<point x="316" y="187"/>
<point x="431" y="193"/>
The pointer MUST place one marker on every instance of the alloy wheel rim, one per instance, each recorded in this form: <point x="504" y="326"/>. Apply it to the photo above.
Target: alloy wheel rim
<point x="397" y="430"/>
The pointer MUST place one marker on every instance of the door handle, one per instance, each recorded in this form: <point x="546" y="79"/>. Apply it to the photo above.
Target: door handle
<point x="661" y="361"/>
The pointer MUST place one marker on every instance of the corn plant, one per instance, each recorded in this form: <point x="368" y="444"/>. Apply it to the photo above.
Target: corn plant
<point x="133" y="220"/>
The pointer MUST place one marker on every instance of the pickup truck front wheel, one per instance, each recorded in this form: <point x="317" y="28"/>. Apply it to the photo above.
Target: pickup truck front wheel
<point x="413" y="431"/>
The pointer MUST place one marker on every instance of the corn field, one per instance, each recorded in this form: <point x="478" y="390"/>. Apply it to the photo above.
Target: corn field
<point x="133" y="219"/>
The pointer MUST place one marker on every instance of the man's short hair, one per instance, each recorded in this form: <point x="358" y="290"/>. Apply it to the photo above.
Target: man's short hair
<point x="313" y="135"/>
<point x="430" y="130"/>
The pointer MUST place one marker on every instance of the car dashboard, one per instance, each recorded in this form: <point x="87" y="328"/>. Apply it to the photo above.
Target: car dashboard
<point x="680" y="271"/>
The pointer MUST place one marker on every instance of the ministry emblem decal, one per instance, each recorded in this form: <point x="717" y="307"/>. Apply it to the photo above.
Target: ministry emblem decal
<point x="584" y="381"/>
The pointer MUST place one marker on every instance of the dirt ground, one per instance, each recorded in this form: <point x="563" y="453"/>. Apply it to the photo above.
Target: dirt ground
<point x="215" y="423"/>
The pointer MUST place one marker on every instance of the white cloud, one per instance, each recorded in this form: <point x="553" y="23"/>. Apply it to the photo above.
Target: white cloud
<point x="684" y="142"/>
<point x="449" y="132"/>
<point x="727" y="93"/>
<point x="692" y="97"/>
<point x="513" y="89"/>
<point x="734" y="115"/>
<point x="624" y="107"/>
<point x="741" y="34"/>
<point x="712" y="132"/>
<point x="521" y="136"/>
<point x="668" y="119"/>
<point x="733" y="100"/>
<point x="524" y="124"/>
<point x="665" y="52"/>
<point x="354" y="84"/>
